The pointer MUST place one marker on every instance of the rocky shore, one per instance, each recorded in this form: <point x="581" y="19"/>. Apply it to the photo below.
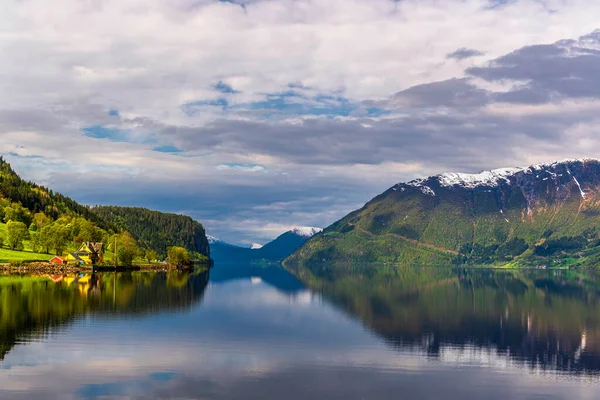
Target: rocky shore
<point x="49" y="268"/>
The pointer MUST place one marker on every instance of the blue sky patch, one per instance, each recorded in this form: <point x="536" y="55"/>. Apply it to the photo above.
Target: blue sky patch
<point x="289" y="103"/>
<point x="101" y="132"/>
<point x="224" y="88"/>
<point x="167" y="149"/>
<point x="293" y="103"/>
<point x="114" y="113"/>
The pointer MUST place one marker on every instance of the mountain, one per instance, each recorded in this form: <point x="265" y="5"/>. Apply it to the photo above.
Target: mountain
<point x="213" y="240"/>
<point x="545" y="215"/>
<point x="275" y="250"/>
<point x="35" y="199"/>
<point x="285" y="244"/>
<point x="157" y="230"/>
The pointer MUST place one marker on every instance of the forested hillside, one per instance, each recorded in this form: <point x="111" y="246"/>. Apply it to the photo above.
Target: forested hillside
<point x="36" y="198"/>
<point x="157" y="230"/>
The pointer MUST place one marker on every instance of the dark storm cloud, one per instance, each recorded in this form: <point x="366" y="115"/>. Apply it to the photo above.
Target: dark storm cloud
<point x="464" y="53"/>
<point x="565" y="69"/>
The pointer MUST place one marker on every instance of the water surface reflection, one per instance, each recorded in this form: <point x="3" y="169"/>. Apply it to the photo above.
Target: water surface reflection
<point x="256" y="332"/>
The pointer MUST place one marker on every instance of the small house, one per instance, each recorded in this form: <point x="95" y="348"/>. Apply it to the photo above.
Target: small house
<point x="89" y="253"/>
<point x="74" y="259"/>
<point x="58" y="260"/>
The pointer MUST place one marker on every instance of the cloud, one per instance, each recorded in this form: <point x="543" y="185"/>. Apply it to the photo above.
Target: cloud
<point x="464" y="53"/>
<point x="544" y="73"/>
<point x="449" y="93"/>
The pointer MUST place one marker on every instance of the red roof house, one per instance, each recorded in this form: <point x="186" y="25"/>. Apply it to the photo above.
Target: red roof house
<point x="58" y="260"/>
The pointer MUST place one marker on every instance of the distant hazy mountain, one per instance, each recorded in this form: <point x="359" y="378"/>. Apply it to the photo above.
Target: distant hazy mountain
<point x="545" y="214"/>
<point x="275" y="250"/>
<point x="286" y="243"/>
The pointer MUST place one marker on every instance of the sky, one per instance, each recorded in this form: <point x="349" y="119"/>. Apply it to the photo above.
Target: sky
<point x="257" y="116"/>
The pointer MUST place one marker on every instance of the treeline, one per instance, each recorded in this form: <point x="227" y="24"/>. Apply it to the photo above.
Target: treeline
<point x="36" y="198"/>
<point x="156" y="230"/>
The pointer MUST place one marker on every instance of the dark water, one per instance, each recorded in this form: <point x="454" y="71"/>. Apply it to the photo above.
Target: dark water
<point x="242" y="332"/>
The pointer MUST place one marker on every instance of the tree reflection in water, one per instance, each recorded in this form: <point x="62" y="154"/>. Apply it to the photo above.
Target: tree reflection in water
<point x="33" y="306"/>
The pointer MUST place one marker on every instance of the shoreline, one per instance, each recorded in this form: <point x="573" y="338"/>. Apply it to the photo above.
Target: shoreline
<point x="49" y="268"/>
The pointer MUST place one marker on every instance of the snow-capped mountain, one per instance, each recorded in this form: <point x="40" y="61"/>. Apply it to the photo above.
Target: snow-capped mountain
<point x="484" y="217"/>
<point x="559" y="173"/>
<point x="306" y="231"/>
<point x="215" y="240"/>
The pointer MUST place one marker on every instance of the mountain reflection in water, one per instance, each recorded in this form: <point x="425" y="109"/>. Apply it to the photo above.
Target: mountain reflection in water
<point x="544" y="319"/>
<point x="256" y="332"/>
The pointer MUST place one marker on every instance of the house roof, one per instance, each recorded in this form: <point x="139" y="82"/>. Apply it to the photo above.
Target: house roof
<point x="76" y="256"/>
<point x="95" y="247"/>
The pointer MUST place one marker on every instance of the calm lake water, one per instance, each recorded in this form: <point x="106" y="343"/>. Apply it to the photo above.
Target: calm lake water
<point x="242" y="332"/>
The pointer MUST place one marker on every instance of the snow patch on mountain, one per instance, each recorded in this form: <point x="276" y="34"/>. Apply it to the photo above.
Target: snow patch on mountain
<point x="494" y="177"/>
<point x="306" y="231"/>
<point x="485" y="178"/>
<point x="427" y="190"/>
<point x="256" y="246"/>
<point x="214" y="240"/>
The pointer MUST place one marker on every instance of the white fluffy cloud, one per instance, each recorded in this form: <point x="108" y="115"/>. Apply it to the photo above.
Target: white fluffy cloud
<point x="303" y="108"/>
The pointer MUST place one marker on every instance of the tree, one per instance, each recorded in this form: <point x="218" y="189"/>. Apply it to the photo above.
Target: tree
<point x="127" y="248"/>
<point x="16" y="212"/>
<point x="179" y="256"/>
<point x="126" y="256"/>
<point x="41" y="220"/>
<point x="58" y="237"/>
<point x="36" y="245"/>
<point x="151" y="255"/>
<point x="16" y="233"/>
<point x="44" y="238"/>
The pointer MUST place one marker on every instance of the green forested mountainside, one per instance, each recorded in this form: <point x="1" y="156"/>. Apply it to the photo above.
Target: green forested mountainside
<point x="156" y="230"/>
<point x="543" y="215"/>
<point x="36" y="198"/>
